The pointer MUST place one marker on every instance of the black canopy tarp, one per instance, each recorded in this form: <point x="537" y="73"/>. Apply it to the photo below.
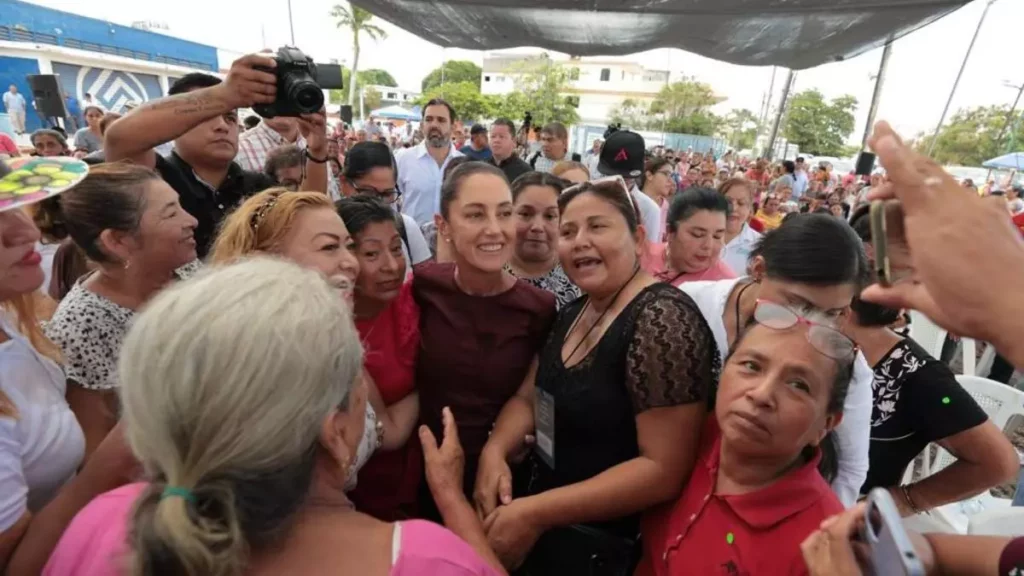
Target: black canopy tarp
<point x="795" y="34"/>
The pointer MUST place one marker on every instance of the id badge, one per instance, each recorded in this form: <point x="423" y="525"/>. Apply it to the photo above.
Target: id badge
<point x="544" y="420"/>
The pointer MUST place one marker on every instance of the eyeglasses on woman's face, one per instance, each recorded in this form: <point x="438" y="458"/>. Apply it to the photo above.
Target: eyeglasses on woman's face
<point x="388" y="196"/>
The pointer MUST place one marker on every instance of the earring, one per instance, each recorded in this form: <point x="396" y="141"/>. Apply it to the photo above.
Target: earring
<point x="127" y="264"/>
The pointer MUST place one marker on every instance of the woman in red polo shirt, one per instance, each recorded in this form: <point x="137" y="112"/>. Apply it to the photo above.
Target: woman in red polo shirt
<point x="755" y="492"/>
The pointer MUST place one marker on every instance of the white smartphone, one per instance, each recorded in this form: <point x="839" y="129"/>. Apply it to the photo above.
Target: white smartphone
<point x="891" y="551"/>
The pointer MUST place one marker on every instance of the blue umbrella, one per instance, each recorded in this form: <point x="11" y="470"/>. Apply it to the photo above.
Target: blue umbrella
<point x="1011" y="161"/>
<point x="395" y="113"/>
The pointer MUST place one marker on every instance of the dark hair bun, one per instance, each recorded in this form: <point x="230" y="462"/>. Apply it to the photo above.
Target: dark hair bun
<point x="48" y="215"/>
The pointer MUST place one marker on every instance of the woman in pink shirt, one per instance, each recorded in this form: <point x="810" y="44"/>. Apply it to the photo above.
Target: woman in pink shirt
<point x="695" y="233"/>
<point x="242" y="400"/>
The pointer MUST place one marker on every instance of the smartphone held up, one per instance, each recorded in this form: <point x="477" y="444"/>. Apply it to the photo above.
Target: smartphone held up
<point x="892" y="261"/>
<point x="890" y="550"/>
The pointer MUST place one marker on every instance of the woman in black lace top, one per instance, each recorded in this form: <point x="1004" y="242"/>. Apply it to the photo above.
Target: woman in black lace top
<point x="616" y="399"/>
<point x="535" y="258"/>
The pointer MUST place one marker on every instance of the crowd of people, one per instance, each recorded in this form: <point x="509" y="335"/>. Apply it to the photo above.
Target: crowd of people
<point x="278" y="351"/>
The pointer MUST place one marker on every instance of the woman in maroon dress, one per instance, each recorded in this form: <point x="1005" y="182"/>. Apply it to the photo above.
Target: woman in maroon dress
<point x="480" y="327"/>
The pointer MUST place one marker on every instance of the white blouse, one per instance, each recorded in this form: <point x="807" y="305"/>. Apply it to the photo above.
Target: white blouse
<point x="42" y="445"/>
<point x="737" y="251"/>
<point x="853" y="435"/>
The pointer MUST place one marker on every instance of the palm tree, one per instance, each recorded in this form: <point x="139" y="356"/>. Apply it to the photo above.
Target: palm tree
<point x="357" y="20"/>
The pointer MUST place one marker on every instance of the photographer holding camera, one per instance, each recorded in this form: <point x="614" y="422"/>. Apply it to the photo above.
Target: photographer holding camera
<point x="200" y="116"/>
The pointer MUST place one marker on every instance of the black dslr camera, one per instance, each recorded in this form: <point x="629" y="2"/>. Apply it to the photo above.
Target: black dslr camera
<point x="300" y="84"/>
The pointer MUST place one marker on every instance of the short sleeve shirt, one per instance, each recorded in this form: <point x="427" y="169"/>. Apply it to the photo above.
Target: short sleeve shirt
<point x="754" y="533"/>
<point x="87" y="141"/>
<point x="917" y="400"/>
<point x="474" y="351"/>
<point x="557" y="282"/>
<point x="89" y="330"/>
<point x="42" y="446"/>
<point x="657" y="352"/>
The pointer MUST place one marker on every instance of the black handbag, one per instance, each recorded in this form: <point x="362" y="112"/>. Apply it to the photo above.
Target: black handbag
<point x="581" y="550"/>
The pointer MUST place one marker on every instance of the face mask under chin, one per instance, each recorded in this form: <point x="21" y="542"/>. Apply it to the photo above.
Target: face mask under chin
<point x="366" y="448"/>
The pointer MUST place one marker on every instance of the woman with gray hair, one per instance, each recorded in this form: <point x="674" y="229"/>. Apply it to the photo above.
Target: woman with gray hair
<point x="246" y="475"/>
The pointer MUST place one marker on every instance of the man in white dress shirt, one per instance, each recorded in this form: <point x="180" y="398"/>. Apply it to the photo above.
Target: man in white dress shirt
<point x="421" y="168"/>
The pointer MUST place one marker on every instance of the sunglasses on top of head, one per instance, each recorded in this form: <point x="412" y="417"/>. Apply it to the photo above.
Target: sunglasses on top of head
<point x="824" y="339"/>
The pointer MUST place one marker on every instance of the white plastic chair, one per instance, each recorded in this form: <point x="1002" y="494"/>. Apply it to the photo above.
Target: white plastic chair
<point x="1000" y="402"/>
<point x="926" y="333"/>
<point x="1002" y="522"/>
<point x="931" y="337"/>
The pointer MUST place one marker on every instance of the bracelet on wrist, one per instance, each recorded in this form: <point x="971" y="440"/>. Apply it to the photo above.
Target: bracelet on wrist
<point x="910" y="501"/>
<point x="315" y="159"/>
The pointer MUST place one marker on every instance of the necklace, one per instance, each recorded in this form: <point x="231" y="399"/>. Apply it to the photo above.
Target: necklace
<point x="596" y="322"/>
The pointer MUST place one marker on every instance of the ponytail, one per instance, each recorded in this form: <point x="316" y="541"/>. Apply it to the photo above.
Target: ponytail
<point x="209" y="529"/>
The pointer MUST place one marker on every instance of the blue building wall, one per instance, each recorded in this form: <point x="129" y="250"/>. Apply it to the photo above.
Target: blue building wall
<point x="20" y="21"/>
<point x="13" y="71"/>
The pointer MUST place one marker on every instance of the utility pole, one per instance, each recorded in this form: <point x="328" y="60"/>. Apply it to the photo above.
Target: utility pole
<point x="879" y="81"/>
<point x="769" y="151"/>
<point x="766" y="106"/>
<point x="290" y="24"/>
<point x="1009" y="115"/>
<point x="963" y="65"/>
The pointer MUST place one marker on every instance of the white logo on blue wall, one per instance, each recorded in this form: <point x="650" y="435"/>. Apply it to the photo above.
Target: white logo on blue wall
<point x="111" y="89"/>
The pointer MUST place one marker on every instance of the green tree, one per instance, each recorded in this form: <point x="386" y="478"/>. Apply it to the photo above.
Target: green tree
<point x="632" y="114"/>
<point x="371" y="99"/>
<point x="969" y="138"/>
<point x="454" y="71"/>
<point x="358" y="21"/>
<point x="819" y="127"/>
<point x="373" y="76"/>
<point x="684" y="107"/>
<point x="739" y="128"/>
<point x="376" y="77"/>
<point x="543" y="87"/>
<point x="465" y="97"/>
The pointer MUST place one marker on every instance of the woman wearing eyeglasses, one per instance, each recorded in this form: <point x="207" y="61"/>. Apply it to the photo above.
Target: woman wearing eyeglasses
<point x="535" y="258"/>
<point x="755" y="492"/>
<point x="370" y="169"/>
<point x="695" y="227"/>
<point x="813" y="264"/>
<point x="658" y="182"/>
<point x="616" y="398"/>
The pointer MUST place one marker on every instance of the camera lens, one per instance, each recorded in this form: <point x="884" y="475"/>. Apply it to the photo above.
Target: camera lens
<point x="306" y="96"/>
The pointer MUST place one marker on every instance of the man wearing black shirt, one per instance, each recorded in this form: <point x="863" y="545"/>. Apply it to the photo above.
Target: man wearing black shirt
<point x="503" y="148"/>
<point x="200" y="116"/>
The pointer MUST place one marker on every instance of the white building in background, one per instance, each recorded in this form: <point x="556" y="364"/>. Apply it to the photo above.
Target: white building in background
<point x="600" y="85"/>
<point x="391" y="96"/>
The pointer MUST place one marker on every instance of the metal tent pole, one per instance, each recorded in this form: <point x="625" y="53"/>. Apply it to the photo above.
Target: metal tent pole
<point x="879" y="81"/>
<point x="963" y="65"/>
<point x="769" y="151"/>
